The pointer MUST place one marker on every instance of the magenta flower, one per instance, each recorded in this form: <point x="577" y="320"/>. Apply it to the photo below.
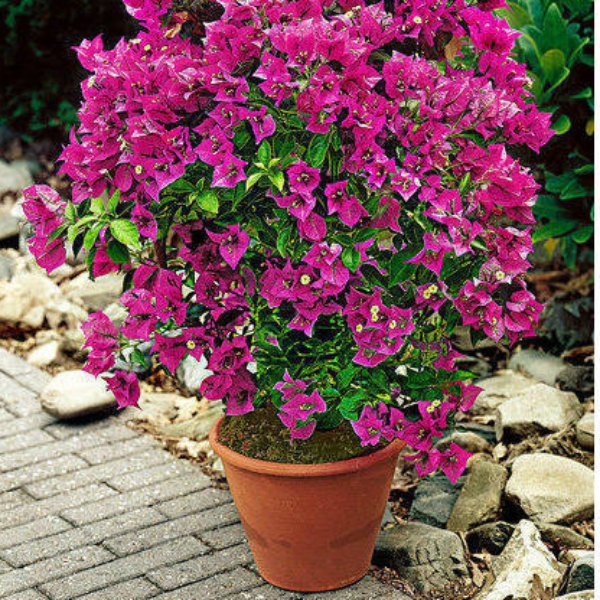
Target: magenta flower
<point x="369" y="426"/>
<point x="125" y="387"/>
<point x="229" y="172"/>
<point x="453" y="462"/>
<point x="301" y="406"/>
<point x="303" y="179"/>
<point x="232" y="244"/>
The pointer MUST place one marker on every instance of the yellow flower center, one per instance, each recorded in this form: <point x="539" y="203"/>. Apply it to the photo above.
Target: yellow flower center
<point x="500" y="275"/>
<point x="191" y="344"/>
<point x="138" y="169"/>
<point x="393" y="324"/>
<point x="418" y="20"/>
<point x="305" y="279"/>
<point x="359" y="328"/>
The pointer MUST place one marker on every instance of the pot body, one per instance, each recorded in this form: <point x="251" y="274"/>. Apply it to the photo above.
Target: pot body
<point x="311" y="527"/>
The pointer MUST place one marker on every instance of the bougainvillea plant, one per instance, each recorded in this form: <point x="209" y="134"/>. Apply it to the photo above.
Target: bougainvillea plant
<point x="311" y="195"/>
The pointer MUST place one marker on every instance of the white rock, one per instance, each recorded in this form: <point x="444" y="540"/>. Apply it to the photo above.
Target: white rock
<point x="14" y="177"/>
<point x="63" y="312"/>
<point x="72" y="340"/>
<point x="524" y="559"/>
<point x="585" y="595"/>
<point x="538" y="408"/>
<point x="9" y="226"/>
<point x="74" y="394"/>
<point x="551" y="489"/>
<point x="191" y="373"/>
<point x="585" y="431"/>
<point x="45" y="355"/>
<point x="117" y="313"/>
<point x="95" y="295"/>
<point x="499" y="389"/>
<point x="23" y="299"/>
<point x="538" y="365"/>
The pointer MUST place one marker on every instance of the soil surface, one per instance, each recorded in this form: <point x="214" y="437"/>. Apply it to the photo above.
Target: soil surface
<point x="260" y="434"/>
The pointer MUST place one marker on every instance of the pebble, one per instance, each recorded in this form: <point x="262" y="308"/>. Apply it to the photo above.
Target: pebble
<point x="491" y="537"/>
<point x="579" y="379"/>
<point x="45" y="355"/>
<point x="551" y="489"/>
<point x="585" y="431"/>
<point x="581" y="575"/>
<point x="537" y="365"/>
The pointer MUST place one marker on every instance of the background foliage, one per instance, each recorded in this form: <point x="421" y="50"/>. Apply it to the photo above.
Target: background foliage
<point x="557" y="44"/>
<point x="41" y="73"/>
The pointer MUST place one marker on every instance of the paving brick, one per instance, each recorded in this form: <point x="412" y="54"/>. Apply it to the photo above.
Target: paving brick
<point x="104" y="453"/>
<point x="267" y="592"/>
<point x="13" y="498"/>
<point x="41" y="470"/>
<point x="103" y="472"/>
<point x="186" y="505"/>
<point x="75" y="444"/>
<point x="26" y="439"/>
<point x="224" y="585"/>
<point x="28" y="595"/>
<point x="45" y="570"/>
<point x="4" y="567"/>
<point x="94" y="533"/>
<point x="62" y="430"/>
<point x="143" y="539"/>
<point x="17" y="425"/>
<point x="13" y="536"/>
<point x="199" y="567"/>
<point x="223" y="537"/>
<point x="146" y="496"/>
<point x="366" y="589"/>
<point x="54" y="505"/>
<point x="168" y="469"/>
<point x="122" y="569"/>
<point x="28" y="375"/>
<point x="136" y="589"/>
<point x="17" y="399"/>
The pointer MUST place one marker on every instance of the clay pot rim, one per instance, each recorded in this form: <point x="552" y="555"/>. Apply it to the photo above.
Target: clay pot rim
<point x="266" y="467"/>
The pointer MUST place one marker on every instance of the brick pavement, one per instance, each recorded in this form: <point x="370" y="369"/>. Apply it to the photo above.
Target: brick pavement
<point x="96" y="511"/>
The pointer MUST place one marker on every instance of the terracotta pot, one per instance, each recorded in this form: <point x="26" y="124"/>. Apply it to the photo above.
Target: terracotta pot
<point x="311" y="528"/>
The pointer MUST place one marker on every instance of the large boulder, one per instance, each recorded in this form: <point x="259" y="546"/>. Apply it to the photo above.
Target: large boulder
<point x="427" y="557"/>
<point x="434" y="499"/>
<point x="540" y="408"/>
<point x="480" y="498"/>
<point x="551" y="489"/>
<point x="524" y="564"/>
<point x="581" y="575"/>
<point x="76" y="394"/>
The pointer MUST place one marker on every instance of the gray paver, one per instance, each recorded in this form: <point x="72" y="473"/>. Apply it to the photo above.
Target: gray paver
<point x="99" y="453"/>
<point x="223" y="537"/>
<point x="17" y="399"/>
<point x="13" y="498"/>
<point x="186" y="505"/>
<point x="137" y="498"/>
<point x="52" y="506"/>
<point x="19" y="369"/>
<point x="21" y="534"/>
<point x="28" y="595"/>
<point x="41" y="470"/>
<point x="45" y="570"/>
<point x="122" y="569"/>
<point x="199" y="567"/>
<point x="168" y="469"/>
<point x="17" y="425"/>
<point x="224" y="585"/>
<point x="62" y="430"/>
<point x="136" y="589"/>
<point x="94" y="533"/>
<point x="27" y="439"/>
<point x="103" y="472"/>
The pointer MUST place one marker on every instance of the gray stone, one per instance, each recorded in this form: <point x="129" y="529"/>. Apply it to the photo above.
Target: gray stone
<point x="578" y="379"/>
<point x="537" y="365"/>
<point x="581" y="575"/>
<point x="76" y="394"/>
<point x="540" y="408"/>
<point x="491" y="537"/>
<point x="563" y="536"/>
<point x="524" y="562"/>
<point x="72" y="341"/>
<point x="9" y="226"/>
<point x="499" y="389"/>
<point x="434" y="498"/>
<point x="585" y="431"/>
<point x="467" y="440"/>
<point x="6" y="267"/>
<point x="427" y="557"/>
<point x="191" y="373"/>
<point x="480" y="497"/>
<point x="551" y="489"/>
<point x="586" y="595"/>
<point x="95" y="295"/>
<point x="14" y="176"/>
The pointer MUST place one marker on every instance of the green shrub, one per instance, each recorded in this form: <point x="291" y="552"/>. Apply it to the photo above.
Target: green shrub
<point x="41" y="73"/>
<point x="557" y="46"/>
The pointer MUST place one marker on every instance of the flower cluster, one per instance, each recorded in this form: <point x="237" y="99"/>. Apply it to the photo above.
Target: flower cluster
<point x="322" y="189"/>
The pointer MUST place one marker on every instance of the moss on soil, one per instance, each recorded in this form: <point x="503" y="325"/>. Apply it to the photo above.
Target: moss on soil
<point x="260" y="434"/>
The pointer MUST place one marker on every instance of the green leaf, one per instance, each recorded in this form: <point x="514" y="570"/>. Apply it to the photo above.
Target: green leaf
<point x="330" y="419"/>
<point x="277" y="179"/>
<point x="554" y="29"/>
<point x="91" y="236"/>
<point x="581" y="236"/>
<point x="118" y="252"/>
<point x="351" y="258"/>
<point x="114" y="202"/>
<point x="516" y="16"/>
<point x="561" y="125"/>
<point x="209" y="201"/>
<point x="399" y="270"/>
<point x="181" y="186"/>
<point x="264" y="152"/>
<point x="553" y="229"/>
<point x="126" y="232"/>
<point x="317" y="150"/>
<point x="70" y="212"/>
<point x="72" y="232"/>
<point x="97" y="206"/>
<point x="553" y="63"/>
<point x="282" y="240"/>
<point x="253" y="179"/>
